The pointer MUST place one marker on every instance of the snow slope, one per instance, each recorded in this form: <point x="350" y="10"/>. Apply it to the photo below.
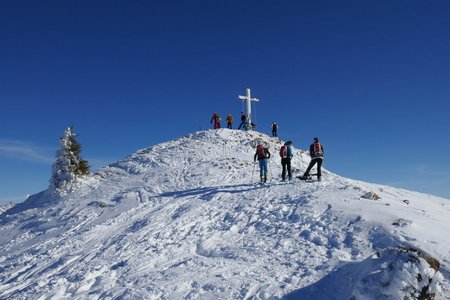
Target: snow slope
<point x="185" y="220"/>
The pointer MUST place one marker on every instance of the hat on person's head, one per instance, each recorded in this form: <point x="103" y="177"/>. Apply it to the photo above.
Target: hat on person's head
<point x="316" y="139"/>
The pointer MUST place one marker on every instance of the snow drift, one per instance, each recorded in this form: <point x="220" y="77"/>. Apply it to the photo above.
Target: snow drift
<point x="186" y="219"/>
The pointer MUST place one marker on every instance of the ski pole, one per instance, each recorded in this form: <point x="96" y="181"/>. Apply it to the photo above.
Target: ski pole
<point x="270" y="169"/>
<point x="253" y="172"/>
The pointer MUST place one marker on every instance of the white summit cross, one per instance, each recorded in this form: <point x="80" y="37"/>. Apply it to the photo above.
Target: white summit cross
<point x="249" y="100"/>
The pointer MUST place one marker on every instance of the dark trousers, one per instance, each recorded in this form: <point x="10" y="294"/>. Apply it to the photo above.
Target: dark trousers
<point x="315" y="160"/>
<point x="286" y="164"/>
<point x="274" y="133"/>
<point x="229" y="125"/>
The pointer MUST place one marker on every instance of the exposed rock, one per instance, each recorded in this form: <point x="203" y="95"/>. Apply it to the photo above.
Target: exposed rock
<point x="371" y="196"/>
<point x="433" y="262"/>
<point x="401" y="222"/>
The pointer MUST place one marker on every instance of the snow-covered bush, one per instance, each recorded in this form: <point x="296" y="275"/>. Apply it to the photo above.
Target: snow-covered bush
<point x="69" y="166"/>
<point x="400" y="273"/>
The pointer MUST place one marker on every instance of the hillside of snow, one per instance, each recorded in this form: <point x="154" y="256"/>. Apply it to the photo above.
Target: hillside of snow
<point x="187" y="219"/>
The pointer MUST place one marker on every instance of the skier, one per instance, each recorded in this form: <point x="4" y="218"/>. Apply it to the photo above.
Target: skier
<point x="316" y="152"/>
<point x="243" y="120"/>
<point x="229" y="121"/>
<point x="216" y="119"/>
<point x="263" y="154"/>
<point x="286" y="154"/>
<point x="274" y="129"/>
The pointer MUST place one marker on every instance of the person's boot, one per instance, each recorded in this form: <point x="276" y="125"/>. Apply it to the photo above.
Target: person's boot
<point x="265" y="178"/>
<point x="262" y="178"/>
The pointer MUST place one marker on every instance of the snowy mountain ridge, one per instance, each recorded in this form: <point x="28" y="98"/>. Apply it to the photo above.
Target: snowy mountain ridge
<point x="5" y="206"/>
<point x="186" y="219"/>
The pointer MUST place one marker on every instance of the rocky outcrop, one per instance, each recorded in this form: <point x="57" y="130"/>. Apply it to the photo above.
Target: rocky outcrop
<point x="402" y="272"/>
<point x="371" y="196"/>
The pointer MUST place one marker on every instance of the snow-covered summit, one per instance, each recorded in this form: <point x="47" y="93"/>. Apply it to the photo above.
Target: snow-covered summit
<point x="186" y="219"/>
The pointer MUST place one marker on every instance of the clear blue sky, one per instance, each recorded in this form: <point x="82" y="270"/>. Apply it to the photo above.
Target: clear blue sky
<point x="371" y="79"/>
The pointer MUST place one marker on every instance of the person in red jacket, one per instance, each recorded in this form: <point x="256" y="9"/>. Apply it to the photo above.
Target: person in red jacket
<point x="262" y="154"/>
<point x="216" y="119"/>
<point x="316" y="152"/>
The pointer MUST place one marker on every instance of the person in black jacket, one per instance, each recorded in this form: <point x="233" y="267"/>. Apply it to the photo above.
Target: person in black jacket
<point x="274" y="129"/>
<point x="286" y="154"/>
<point x="263" y="154"/>
<point x="243" y="121"/>
<point x="316" y="152"/>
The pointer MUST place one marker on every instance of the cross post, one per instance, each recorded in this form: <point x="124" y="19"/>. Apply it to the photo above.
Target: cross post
<point x="248" y="98"/>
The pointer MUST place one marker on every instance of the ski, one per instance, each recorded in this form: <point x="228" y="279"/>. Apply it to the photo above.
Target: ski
<point x="307" y="178"/>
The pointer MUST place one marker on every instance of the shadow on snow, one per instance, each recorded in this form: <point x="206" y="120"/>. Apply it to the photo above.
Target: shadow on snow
<point x="208" y="193"/>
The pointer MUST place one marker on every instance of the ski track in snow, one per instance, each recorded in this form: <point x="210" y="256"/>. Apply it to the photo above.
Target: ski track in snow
<point x="186" y="220"/>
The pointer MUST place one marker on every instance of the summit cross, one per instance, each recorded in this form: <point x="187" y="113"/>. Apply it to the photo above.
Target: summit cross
<point x="248" y="98"/>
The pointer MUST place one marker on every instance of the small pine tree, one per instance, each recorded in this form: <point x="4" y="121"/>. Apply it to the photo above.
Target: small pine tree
<point x="69" y="166"/>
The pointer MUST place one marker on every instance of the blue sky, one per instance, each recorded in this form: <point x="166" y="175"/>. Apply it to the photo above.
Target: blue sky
<point x="371" y="79"/>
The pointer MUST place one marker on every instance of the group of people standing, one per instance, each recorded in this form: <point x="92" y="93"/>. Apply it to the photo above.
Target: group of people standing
<point x="262" y="154"/>
<point x="216" y="119"/>
<point x="316" y="153"/>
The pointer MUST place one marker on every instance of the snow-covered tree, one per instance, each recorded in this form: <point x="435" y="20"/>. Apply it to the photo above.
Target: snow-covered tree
<point x="69" y="166"/>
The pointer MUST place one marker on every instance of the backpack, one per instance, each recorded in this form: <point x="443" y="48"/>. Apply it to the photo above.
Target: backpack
<point x="318" y="152"/>
<point x="284" y="151"/>
<point x="260" y="151"/>
<point x="218" y="118"/>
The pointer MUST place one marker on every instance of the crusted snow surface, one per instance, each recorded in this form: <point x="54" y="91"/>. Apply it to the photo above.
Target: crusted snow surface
<point x="187" y="219"/>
